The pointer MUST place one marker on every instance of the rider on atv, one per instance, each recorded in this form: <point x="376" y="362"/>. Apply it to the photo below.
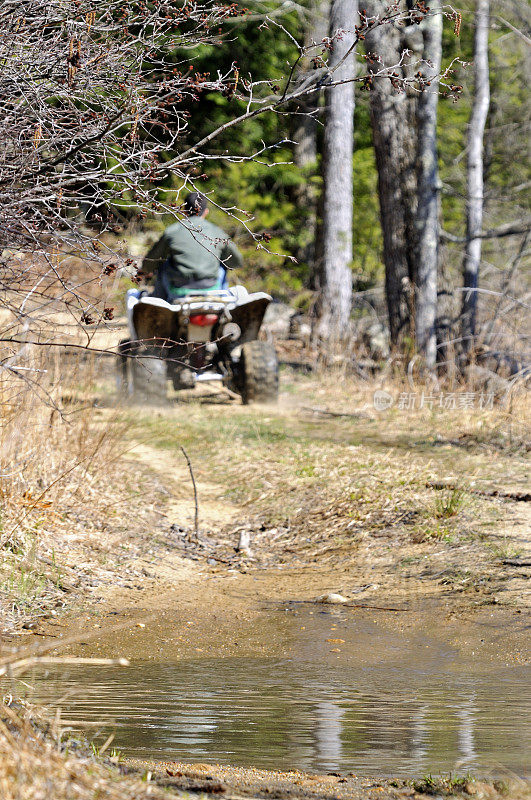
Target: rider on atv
<point x="192" y="254"/>
<point x="193" y="329"/>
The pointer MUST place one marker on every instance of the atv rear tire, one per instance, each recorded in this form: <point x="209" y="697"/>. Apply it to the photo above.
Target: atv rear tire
<point x="139" y="377"/>
<point x="259" y="373"/>
<point x="122" y="368"/>
<point x="148" y="378"/>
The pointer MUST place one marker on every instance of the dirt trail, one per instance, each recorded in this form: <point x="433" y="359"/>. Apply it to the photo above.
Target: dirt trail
<point x="171" y="468"/>
<point x="183" y="597"/>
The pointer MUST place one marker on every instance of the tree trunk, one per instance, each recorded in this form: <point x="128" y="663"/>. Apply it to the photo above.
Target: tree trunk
<point x="404" y="134"/>
<point x="388" y="119"/>
<point x="305" y="120"/>
<point x="304" y="135"/>
<point x="392" y="118"/>
<point x="427" y="219"/>
<point x="474" y="211"/>
<point x="336" y="277"/>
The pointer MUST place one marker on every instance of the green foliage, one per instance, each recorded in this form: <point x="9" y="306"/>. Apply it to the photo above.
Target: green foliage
<point x="507" y="140"/>
<point x="441" y="784"/>
<point x="367" y="263"/>
<point x="268" y="194"/>
<point x="24" y="584"/>
<point x="260" y="50"/>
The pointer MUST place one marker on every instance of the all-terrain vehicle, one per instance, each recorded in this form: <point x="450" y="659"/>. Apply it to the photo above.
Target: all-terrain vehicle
<point x="208" y="335"/>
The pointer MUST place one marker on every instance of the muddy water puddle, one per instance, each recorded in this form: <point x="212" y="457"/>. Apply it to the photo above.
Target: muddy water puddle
<point x="399" y="705"/>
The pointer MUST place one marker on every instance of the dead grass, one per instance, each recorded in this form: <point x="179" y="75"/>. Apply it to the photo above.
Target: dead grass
<point x="38" y="762"/>
<point x="60" y="490"/>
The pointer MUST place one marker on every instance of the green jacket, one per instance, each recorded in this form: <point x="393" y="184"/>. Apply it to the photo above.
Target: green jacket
<point x="190" y="251"/>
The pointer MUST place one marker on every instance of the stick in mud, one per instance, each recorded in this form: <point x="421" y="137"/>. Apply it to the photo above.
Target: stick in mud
<point x="23" y="664"/>
<point x="350" y="605"/>
<point x="196" y="503"/>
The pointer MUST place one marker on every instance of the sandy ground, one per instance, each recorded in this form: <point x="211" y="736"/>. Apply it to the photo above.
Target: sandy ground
<point x="253" y="783"/>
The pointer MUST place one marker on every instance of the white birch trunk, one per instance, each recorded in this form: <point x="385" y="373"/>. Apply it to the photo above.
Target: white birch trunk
<point x="336" y="277"/>
<point x="427" y="221"/>
<point x="474" y="212"/>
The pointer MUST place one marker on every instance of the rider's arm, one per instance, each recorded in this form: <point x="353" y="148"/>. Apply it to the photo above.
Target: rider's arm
<point x="156" y="256"/>
<point x="231" y="258"/>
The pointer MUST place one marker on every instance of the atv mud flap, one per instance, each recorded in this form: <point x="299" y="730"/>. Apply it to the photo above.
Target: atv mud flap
<point x="249" y="317"/>
<point x="154" y="322"/>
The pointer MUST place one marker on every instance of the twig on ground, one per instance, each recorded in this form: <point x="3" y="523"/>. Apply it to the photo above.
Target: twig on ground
<point x="24" y="663"/>
<point x="351" y="605"/>
<point x="196" y="502"/>
<point x="519" y="497"/>
<point x="222" y="390"/>
<point x="326" y="413"/>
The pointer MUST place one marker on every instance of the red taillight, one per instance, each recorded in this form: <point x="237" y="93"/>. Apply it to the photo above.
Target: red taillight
<point x="203" y="319"/>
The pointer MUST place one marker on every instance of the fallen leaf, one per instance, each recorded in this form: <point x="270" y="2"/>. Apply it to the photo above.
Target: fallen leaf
<point x="336" y="641"/>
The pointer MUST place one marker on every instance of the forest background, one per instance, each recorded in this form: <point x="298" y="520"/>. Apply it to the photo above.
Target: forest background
<point x="272" y="193"/>
<point x="112" y="136"/>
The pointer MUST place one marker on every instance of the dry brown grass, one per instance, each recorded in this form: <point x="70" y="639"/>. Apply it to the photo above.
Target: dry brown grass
<point x="34" y="765"/>
<point x="57" y="459"/>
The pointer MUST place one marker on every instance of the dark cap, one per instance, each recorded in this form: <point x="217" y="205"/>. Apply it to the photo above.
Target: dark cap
<point x="195" y="204"/>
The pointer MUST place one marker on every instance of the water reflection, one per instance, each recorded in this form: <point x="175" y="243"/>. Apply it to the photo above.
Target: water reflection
<point x="465" y="712"/>
<point x="419" y="735"/>
<point x="328" y="734"/>
<point x="278" y="714"/>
